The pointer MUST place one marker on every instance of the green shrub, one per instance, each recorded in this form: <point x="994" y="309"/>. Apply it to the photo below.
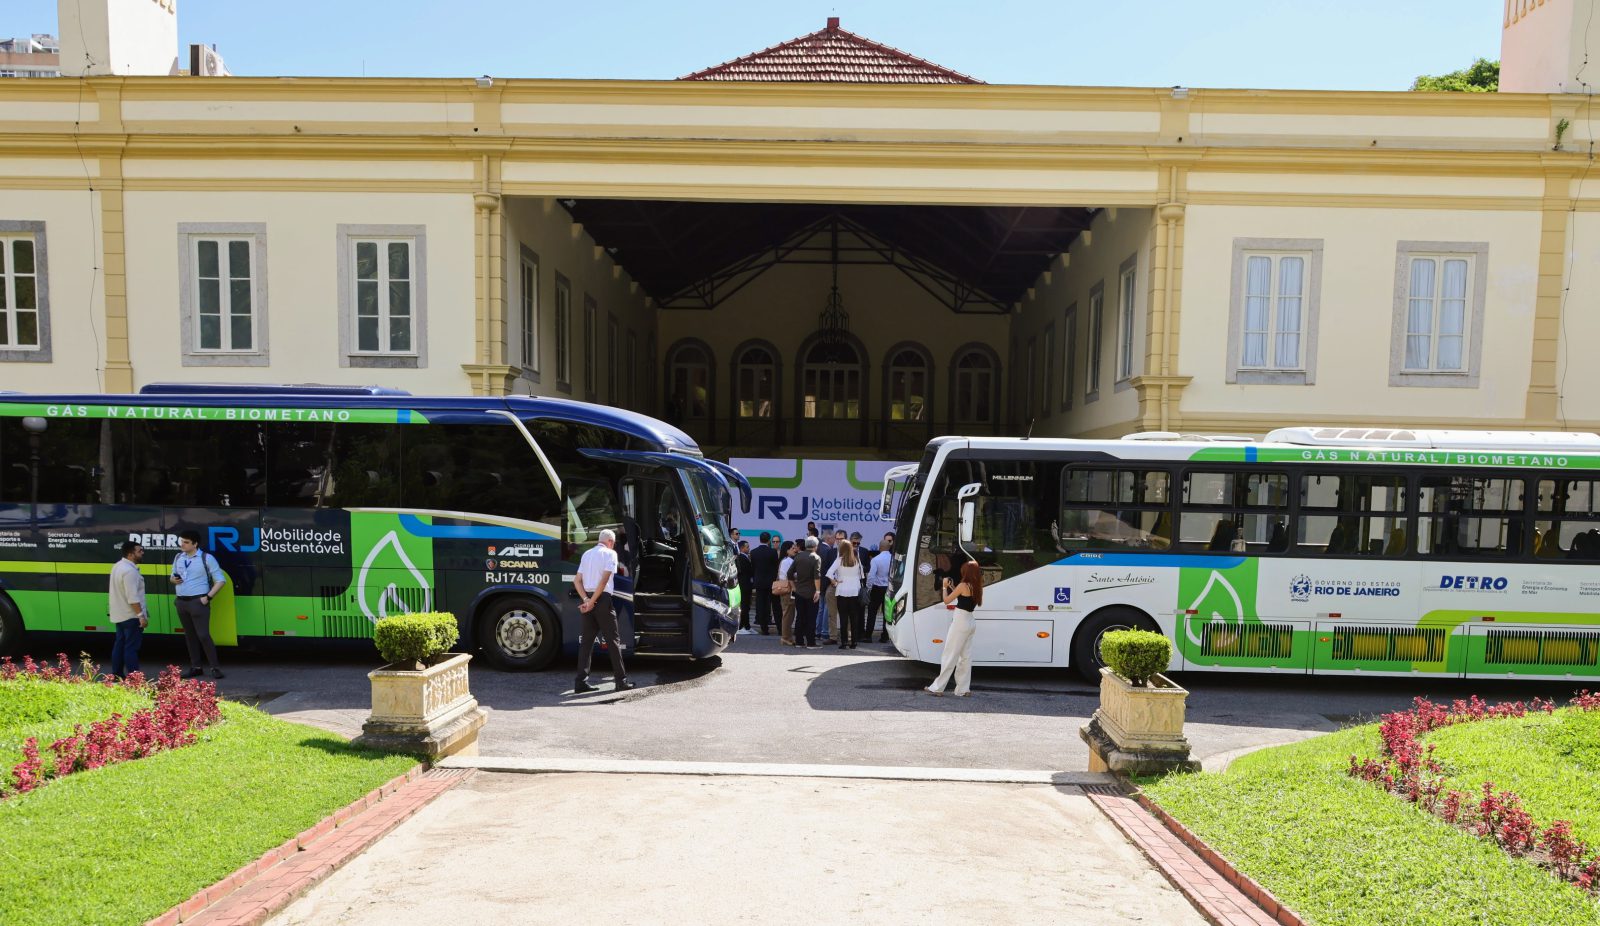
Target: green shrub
<point x="415" y="638"/>
<point x="1136" y="655"/>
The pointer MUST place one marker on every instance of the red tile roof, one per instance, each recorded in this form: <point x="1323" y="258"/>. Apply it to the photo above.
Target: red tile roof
<point x="835" y="56"/>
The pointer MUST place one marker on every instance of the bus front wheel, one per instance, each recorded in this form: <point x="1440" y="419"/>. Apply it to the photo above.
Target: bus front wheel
<point x="1086" y="644"/>
<point x="519" y="633"/>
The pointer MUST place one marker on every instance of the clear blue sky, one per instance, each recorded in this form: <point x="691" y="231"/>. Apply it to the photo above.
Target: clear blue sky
<point x="1314" y="44"/>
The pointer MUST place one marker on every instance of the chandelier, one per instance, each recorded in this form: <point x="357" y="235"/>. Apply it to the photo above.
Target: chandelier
<point x="833" y="324"/>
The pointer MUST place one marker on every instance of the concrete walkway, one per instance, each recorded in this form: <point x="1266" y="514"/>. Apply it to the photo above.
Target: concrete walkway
<point x="673" y="849"/>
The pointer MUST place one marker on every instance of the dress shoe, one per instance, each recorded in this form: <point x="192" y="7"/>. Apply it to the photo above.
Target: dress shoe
<point x="625" y="684"/>
<point x="583" y="687"/>
<point x="215" y="672"/>
<point x="189" y="673"/>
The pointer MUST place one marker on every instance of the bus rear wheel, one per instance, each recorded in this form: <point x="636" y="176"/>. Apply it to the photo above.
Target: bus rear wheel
<point x="1086" y="644"/>
<point x="519" y="633"/>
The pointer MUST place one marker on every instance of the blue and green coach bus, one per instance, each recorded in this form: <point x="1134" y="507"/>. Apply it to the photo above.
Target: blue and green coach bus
<point x="332" y="507"/>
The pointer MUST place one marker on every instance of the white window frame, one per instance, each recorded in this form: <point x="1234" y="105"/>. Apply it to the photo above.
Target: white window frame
<point x="349" y="236"/>
<point x="1127" y="320"/>
<point x="33" y="233"/>
<point x="1305" y="372"/>
<point x="563" y="334"/>
<point x="528" y="294"/>
<point x="386" y="313"/>
<point x="1097" y="315"/>
<point x="1069" y="356"/>
<point x="190" y="237"/>
<point x="1476" y="254"/>
<point x="591" y="347"/>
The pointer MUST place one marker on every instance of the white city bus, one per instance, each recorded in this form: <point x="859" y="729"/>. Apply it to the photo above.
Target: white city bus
<point x="1327" y="550"/>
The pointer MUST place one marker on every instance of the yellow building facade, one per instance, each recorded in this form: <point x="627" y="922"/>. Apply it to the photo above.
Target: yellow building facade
<point x="1252" y="258"/>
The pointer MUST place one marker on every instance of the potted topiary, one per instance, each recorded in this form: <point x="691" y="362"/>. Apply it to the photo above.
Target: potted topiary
<point x="420" y="699"/>
<point x="1138" y="729"/>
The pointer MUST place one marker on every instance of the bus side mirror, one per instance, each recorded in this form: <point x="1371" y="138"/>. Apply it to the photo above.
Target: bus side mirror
<point x="968" y="510"/>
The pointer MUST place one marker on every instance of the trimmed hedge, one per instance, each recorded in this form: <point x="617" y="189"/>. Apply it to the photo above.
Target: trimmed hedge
<point x="1136" y="655"/>
<point x="415" y="638"/>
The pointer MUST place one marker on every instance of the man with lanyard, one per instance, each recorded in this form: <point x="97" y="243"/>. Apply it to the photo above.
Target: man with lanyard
<point x="593" y="584"/>
<point x="198" y="579"/>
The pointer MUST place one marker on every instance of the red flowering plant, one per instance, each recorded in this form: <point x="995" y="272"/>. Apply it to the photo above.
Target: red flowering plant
<point x="1407" y="768"/>
<point x="181" y="708"/>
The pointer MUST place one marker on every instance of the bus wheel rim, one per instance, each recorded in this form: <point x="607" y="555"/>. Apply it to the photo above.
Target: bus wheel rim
<point x="518" y="633"/>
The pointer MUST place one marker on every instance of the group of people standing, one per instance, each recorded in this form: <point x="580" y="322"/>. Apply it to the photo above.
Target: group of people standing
<point x="817" y="590"/>
<point x="196" y="581"/>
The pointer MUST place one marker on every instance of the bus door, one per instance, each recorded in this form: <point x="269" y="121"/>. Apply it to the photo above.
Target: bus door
<point x="1003" y="509"/>
<point x="657" y="559"/>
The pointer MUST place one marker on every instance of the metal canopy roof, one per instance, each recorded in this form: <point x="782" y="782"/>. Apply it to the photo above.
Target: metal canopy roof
<point x="697" y="254"/>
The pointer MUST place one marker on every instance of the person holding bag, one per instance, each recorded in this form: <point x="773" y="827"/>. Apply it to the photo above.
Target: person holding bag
<point x="783" y="591"/>
<point x="845" y="576"/>
<point x="197" y="579"/>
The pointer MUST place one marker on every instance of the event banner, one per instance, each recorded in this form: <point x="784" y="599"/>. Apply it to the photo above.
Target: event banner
<point x="832" y="493"/>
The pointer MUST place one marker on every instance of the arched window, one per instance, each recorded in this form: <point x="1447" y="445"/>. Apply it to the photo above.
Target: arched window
<point x="831" y="393"/>
<point x="755" y="383"/>
<point x="831" y="382"/>
<point x="907" y="393"/>
<point x="973" y="382"/>
<point x="689" y="386"/>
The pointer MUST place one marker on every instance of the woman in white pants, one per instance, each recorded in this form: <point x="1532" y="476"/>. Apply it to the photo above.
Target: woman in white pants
<point x="957" y="659"/>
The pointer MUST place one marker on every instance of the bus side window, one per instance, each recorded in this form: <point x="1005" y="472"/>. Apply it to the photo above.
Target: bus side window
<point x="1114" y="509"/>
<point x="1351" y="514"/>
<point x="75" y="462"/>
<point x="1569" y="520"/>
<point x="207" y="464"/>
<point x="1234" y="512"/>
<point x="1468" y="516"/>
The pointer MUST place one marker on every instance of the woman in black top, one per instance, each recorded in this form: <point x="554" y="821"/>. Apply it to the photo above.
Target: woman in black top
<point x="967" y="596"/>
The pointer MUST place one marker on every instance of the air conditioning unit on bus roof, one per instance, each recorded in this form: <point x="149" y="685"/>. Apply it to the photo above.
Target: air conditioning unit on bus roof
<point x="1436" y="440"/>
<point x="1174" y="435"/>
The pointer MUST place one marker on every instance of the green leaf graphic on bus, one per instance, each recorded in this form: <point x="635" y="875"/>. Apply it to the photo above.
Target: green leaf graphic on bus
<point x="392" y="577"/>
<point x="1207" y="596"/>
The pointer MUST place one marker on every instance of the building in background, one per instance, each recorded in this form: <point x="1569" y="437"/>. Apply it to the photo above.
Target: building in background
<point x="829" y="247"/>
<point x="35" y="56"/>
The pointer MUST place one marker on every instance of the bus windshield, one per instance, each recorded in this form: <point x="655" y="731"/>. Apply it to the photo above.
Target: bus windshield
<point x="710" y="512"/>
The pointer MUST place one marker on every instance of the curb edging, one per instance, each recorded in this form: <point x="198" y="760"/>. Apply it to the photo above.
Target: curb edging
<point x="1247" y="885"/>
<point x="259" y="889"/>
<point x="1219" y="891"/>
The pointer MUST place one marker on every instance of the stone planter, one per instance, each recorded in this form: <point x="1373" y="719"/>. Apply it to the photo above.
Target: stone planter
<point x="430" y="712"/>
<point x="1138" y="731"/>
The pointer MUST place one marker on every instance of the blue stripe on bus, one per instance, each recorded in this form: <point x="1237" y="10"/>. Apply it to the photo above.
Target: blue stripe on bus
<point x="1249" y="454"/>
<point x="416" y="528"/>
<point x="1152" y="560"/>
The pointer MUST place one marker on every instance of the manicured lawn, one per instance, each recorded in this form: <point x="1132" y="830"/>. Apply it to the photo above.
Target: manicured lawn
<point x="48" y="710"/>
<point x="1344" y="853"/>
<point x="123" y="843"/>
<point x="1552" y="760"/>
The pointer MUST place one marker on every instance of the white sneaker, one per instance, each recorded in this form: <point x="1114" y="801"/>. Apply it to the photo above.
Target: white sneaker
<point x="745" y="632"/>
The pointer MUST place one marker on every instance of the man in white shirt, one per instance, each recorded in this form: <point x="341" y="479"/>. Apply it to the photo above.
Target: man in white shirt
<point x="128" y="613"/>
<point x="593" y="584"/>
<point x="878" y="587"/>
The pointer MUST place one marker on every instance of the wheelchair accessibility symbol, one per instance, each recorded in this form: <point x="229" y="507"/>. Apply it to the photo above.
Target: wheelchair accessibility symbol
<point x="1063" y="596"/>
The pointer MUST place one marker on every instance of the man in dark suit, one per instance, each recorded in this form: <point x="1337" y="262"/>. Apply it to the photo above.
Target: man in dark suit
<point x="742" y="561"/>
<point x="764" y="572"/>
